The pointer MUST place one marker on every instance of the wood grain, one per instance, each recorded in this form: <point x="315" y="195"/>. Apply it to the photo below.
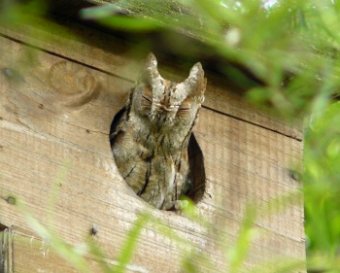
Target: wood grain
<point x="52" y="149"/>
<point x="114" y="57"/>
<point x="28" y="253"/>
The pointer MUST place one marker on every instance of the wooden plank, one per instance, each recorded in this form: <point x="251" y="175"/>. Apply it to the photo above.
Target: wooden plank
<point x="55" y="117"/>
<point x="29" y="253"/>
<point x="120" y="59"/>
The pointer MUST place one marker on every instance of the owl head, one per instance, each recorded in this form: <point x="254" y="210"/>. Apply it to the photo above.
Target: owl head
<point x="164" y="102"/>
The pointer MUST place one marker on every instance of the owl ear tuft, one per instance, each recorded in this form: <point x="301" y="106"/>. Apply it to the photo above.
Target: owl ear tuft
<point x="196" y="81"/>
<point x="150" y="72"/>
<point x="196" y="71"/>
<point x="151" y="61"/>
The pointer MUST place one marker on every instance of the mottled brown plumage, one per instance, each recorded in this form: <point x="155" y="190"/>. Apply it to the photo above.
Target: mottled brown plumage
<point x="151" y="134"/>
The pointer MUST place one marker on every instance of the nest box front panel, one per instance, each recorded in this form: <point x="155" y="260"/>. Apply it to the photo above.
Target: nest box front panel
<point x="55" y="118"/>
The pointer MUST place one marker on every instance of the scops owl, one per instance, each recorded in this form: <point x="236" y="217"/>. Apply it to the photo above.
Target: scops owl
<point x="150" y="136"/>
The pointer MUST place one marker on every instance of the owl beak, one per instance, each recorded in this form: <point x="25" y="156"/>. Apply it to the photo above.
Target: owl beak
<point x="166" y="109"/>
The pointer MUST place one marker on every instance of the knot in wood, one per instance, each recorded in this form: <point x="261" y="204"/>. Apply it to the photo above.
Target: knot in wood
<point x="73" y="84"/>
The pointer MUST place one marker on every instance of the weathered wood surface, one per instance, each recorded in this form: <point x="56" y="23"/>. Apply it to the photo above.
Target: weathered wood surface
<point x="103" y="52"/>
<point x="55" y="117"/>
<point x="25" y="252"/>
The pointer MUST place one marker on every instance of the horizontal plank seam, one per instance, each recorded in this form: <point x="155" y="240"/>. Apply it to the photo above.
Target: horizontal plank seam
<point x="252" y="123"/>
<point x="63" y="57"/>
<point x="47" y="136"/>
<point x="130" y="80"/>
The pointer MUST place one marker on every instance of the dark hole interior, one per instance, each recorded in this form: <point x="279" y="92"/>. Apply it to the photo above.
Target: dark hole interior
<point x="196" y="162"/>
<point x="2" y="227"/>
<point x="197" y="171"/>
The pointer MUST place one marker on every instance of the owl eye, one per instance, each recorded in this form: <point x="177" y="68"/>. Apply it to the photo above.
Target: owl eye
<point x="147" y="91"/>
<point x="146" y="102"/>
<point x="145" y="98"/>
<point x="185" y="106"/>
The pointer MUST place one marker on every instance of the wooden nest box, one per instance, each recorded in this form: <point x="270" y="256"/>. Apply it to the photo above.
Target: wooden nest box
<point x="58" y="99"/>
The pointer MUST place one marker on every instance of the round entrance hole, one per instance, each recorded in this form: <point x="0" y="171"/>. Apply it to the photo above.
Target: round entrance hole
<point x="196" y="173"/>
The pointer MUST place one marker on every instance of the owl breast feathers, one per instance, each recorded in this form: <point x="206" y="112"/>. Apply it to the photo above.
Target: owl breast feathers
<point x="151" y="134"/>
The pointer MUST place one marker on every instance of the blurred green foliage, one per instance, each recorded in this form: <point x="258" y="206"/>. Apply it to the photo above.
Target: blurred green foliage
<point x="293" y="47"/>
<point x="322" y="188"/>
<point x="290" y="46"/>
